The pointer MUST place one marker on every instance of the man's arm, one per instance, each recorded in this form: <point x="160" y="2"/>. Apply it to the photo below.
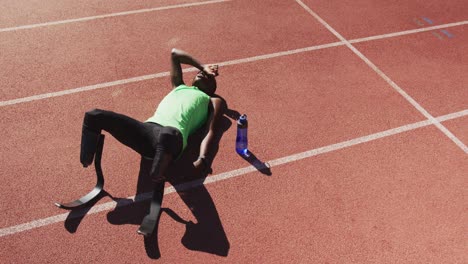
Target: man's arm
<point x="217" y="109"/>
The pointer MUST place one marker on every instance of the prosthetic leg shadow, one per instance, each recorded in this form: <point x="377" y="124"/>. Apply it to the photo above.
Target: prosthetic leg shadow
<point x="80" y="207"/>
<point x="207" y="234"/>
<point x="132" y="212"/>
<point x="75" y="217"/>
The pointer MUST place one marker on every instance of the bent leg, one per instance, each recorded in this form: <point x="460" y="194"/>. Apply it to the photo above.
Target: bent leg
<point x="160" y="164"/>
<point x="168" y="148"/>
<point x="135" y="134"/>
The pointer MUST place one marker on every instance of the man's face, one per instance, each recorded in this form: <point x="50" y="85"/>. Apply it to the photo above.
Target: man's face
<point x="205" y="83"/>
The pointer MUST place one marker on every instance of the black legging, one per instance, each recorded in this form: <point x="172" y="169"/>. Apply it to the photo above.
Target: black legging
<point x="150" y="140"/>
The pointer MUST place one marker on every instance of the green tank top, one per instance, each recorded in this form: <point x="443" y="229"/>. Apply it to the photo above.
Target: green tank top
<point x="185" y="108"/>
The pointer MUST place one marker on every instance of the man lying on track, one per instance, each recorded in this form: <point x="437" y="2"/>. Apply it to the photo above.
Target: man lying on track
<point x="163" y="137"/>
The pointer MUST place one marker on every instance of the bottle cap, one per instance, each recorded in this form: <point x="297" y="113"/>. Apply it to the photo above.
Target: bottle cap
<point x="242" y="119"/>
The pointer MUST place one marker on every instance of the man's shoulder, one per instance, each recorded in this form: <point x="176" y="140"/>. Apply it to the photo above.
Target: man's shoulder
<point x="184" y="86"/>
<point x="218" y="103"/>
<point x="217" y="99"/>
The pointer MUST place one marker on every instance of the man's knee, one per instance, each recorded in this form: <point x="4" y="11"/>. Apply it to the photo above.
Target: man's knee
<point x="94" y="113"/>
<point x="171" y="140"/>
<point x="161" y="161"/>
<point x="92" y="118"/>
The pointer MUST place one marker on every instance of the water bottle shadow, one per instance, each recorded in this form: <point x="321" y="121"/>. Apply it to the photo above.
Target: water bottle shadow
<point x="233" y="114"/>
<point x="261" y="166"/>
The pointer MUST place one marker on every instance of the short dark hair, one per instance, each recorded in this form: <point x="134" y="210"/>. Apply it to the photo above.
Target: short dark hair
<point x="210" y="81"/>
<point x="213" y="82"/>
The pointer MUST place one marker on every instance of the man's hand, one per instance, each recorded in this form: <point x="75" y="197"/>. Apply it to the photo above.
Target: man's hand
<point x="211" y="70"/>
<point x="201" y="167"/>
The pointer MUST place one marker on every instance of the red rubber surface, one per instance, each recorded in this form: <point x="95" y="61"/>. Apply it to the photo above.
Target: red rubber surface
<point x="386" y="201"/>
<point x="398" y="199"/>
<point x="68" y="56"/>
<point x="430" y="69"/>
<point x="363" y="18"/>
<point x="459" y="127"/>
<point x="25" y="12"/>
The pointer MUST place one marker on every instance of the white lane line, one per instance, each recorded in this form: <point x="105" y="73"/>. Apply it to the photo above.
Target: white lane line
<point x="83" y="89"/>
<point x="81" y="19"/>
<point x="387" y="79"/>
<point x="231" y="62"/>
<point x="231" y="174"/>
<point x="280" y="54"/>
<point x="452" y="116"/>
<point x="407" y="32"/>
<point x="158" y="75"/>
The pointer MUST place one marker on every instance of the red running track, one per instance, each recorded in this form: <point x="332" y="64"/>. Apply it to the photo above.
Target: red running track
<point x="394" y="199"/>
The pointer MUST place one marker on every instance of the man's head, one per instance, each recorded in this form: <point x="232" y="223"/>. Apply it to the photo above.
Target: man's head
<point x="206" y="82"/>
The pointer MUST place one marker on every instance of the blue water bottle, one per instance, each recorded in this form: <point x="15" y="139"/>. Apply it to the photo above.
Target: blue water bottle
<point x="241" y="139"/>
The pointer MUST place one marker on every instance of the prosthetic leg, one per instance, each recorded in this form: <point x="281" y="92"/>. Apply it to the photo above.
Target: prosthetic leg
<point x="89" y="141"/>
<point x="160" y="163"/>
<point x="97" y="164"/>
<point x="150" y="221"/>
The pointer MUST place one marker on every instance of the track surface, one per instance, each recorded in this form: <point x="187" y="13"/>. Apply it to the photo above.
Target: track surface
<point x="360" y="172"/>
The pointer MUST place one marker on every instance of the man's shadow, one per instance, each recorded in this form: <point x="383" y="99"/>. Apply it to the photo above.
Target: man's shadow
<point x="207" y="233"/>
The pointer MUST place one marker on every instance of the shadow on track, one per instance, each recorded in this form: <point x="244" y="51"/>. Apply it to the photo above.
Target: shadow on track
<point x="261" y="166"/>
<point x="75" y="216"/>
<point x="207" y="234"/>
